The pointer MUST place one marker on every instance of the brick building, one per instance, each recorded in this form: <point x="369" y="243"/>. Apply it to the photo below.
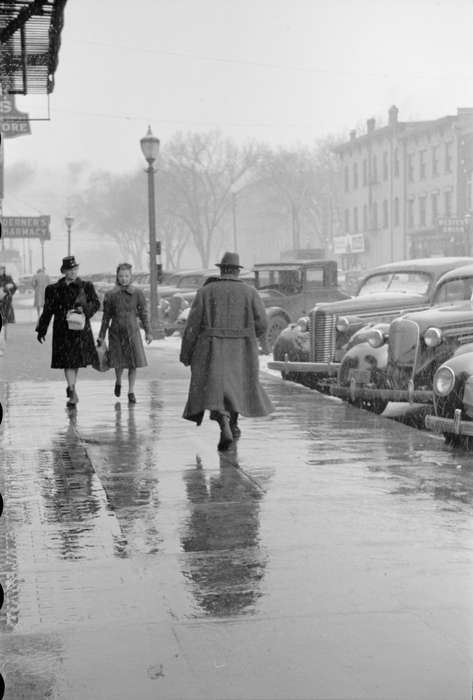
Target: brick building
<point x="406" y="190"/>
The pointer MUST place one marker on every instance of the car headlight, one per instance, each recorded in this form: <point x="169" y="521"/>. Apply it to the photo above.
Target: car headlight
<point x="432" y="337"/>
<point x="303" y="324"/>
<point x="444" y="381"/>
<point x="375" y="338"/>
<point x="342" y="324"/>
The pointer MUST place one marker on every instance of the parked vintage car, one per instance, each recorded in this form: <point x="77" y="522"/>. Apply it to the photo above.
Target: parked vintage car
<point x="397" y="361"/>
<point x="453" y="398"/>
<point x="288" y="289"/>
<point x="311" y="350"/>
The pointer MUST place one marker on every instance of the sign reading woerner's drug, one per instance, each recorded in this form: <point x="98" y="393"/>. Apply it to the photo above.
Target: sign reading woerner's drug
<point x="12" y="121"/>
<point x="26" y="227"/>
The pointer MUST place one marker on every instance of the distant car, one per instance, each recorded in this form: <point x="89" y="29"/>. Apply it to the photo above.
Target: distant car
<point x="311" y="350"/>
<point x="25" y="284"/>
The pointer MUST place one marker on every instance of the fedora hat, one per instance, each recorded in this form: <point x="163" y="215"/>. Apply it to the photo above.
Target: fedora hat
<point x="229" y="260"/>
<point x="69" y="263"/>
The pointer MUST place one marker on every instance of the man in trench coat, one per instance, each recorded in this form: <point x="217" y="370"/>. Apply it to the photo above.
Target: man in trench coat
<point x="220" y="345"/>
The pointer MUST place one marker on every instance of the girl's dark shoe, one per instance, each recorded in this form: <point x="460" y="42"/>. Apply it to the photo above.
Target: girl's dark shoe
<point x="131" y="398"/>
<point x="68" y="391"/>
<point x="73" y="398"/>
<point x="118" y="389"/>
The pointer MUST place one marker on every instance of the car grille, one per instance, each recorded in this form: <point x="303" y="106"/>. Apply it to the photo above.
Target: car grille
<point x="403" y="342"/>
<point x="322" y="336"/>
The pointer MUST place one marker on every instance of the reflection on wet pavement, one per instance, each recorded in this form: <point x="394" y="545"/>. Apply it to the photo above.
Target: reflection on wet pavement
<point x="130" y="514"/>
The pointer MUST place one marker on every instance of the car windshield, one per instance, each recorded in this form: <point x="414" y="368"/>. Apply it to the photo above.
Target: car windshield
<point x="405" y="282"/>
<point x="460" y="289"/>
<point x="287" y="281"/>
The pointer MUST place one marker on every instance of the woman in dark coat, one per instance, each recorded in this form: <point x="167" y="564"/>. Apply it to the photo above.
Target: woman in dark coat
<point x="7" y="290"/>
<point x="71" y="348"/>
<point x="122" y="307"/>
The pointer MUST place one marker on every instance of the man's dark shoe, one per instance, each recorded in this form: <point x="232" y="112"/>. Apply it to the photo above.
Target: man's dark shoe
<point x="234" y="427"/>
<point x="118" y="389"/>
<point x="226" y="437"/>
<point x="131" y="398"/>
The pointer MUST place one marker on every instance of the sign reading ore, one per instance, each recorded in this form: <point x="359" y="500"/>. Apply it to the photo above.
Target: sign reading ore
<point x="12" y="121"/>
<point x="26" y="227"/>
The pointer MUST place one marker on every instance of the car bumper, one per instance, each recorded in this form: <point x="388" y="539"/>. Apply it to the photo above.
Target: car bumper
<point x="355" y="391"/>
<point x="454" y="425"/>
<point x="325" y="368"/>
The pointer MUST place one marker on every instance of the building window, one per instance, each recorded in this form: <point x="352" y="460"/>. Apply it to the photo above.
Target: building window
<point x="422" y="211"/>
<point x="355" y="175"/>
<point x="396" y="211"/>
<point x="347" y="221"/>
<point x="385" y="214"/>
<point x="448" y="157"/>
<point x="396" y="163"/>
<point x="434" y="209"/>
<point x="347" y="186"/>
<point x="435" y="161"/>
<point x="410" y="213"/>
<point x="447" y="203"/>
<point x="410" y="167"/>
<point x="365" y="172"/>
<point x="375" y="169"/>
<point x="385" y="166"/>
<point x="422" y="165"/>
<point x="355" y="220"/>
<point x="375" y="216"/>
<point x="365" y="217"/>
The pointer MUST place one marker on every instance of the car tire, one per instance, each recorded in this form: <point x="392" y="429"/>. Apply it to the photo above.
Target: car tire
<point x="276" y="324"/>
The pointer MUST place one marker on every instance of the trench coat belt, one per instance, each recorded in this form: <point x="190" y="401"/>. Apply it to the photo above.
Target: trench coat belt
<point x="228" y="332"/>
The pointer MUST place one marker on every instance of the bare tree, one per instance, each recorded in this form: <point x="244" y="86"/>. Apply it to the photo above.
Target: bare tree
<point x="202" y="169"/>
<point x="115" y="206"/>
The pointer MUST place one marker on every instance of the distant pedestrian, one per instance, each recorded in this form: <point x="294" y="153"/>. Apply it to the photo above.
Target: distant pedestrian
<point x="73" y="342"/>
<point x="123" y="306"/>
<point x="220" y="345"/>
<point x="39" y="283"/>
<point x="7" y="290"/>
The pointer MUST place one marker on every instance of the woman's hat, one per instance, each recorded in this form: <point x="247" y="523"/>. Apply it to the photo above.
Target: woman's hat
<point x="229" y="260"/>
<point x="69" y="263"/>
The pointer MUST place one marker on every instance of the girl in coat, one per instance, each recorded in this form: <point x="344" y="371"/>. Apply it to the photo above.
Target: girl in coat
<point x="122" y="307"/>
<point x="71" y="348"/>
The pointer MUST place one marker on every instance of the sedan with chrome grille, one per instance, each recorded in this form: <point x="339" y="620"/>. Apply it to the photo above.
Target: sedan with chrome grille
<point x="397" y="361"/>
<point x="311" y="350"/>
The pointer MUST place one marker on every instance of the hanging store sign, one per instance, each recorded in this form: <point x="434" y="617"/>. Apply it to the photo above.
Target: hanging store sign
<point x="26" y="227"/>
<point x="12" y="122"/>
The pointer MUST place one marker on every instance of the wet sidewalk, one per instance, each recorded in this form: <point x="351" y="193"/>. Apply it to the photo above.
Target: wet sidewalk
<point x="329" y="556"/>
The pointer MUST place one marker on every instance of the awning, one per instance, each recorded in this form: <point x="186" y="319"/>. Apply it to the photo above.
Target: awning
<point x="30" y="37"/>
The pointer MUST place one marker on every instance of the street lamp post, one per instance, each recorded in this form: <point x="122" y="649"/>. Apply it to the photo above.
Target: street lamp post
<point x="69" y="220"/>
<point x="150" y="149"/>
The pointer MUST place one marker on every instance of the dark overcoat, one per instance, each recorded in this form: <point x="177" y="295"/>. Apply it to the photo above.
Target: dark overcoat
<point x="122" y="307"/>
<point x="71" y="349"/>
<point x="220" y="344"/>
<point x="6" y="304"/>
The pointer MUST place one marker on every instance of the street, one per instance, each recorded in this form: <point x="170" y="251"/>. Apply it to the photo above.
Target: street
<point x="328" y="555"/>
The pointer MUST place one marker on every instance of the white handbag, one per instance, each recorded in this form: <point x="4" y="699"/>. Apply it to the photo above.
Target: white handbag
<point x="75" y="320"/>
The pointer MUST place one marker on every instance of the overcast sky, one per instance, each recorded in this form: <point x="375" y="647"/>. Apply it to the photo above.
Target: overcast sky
<point x="271" y="70"/>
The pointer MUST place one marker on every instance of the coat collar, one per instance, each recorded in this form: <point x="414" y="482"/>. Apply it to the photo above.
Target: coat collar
<point x="129" y="289"/>
<point x="77" y="282"/>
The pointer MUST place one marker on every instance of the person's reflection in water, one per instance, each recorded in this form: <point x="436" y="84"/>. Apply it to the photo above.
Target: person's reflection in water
<point x="226" y="564"/>
<point x="72" y="503"/>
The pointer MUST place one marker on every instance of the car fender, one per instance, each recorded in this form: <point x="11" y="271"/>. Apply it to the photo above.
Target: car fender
<point x="273" y="311"/>
<point x="461" y="364"/>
